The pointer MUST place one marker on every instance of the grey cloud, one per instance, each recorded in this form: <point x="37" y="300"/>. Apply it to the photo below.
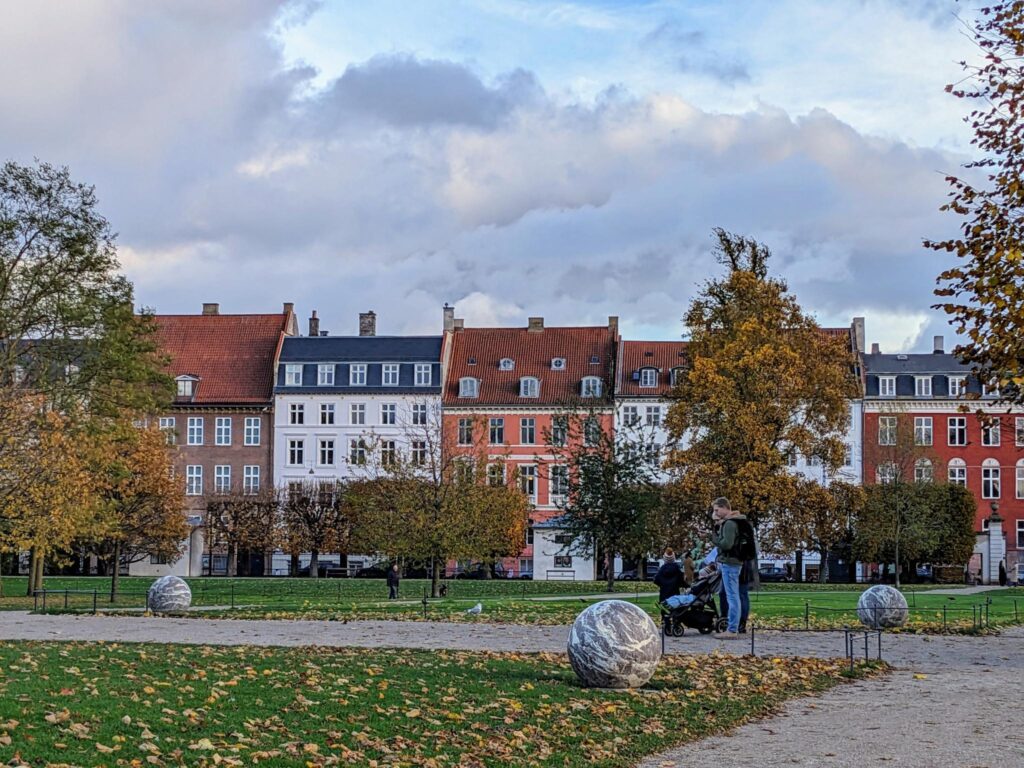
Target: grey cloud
<point x="725" y="71"/>
<point x="673" y="34"/>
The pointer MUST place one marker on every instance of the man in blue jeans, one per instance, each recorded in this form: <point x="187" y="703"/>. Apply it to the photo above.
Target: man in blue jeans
<point x="734" y="537"/>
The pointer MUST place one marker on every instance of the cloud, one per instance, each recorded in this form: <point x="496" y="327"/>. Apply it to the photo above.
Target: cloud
<point x="726" y="71"/>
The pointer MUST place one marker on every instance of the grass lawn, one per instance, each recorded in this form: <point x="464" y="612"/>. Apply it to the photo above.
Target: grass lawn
<point x="108" y="704"/>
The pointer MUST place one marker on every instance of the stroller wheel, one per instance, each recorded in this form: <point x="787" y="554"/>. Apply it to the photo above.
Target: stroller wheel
<point x="678" y="630"/>
<point x="721" y="625"/>
<point x="704" y="630"/>
<point x="668" y="630"/>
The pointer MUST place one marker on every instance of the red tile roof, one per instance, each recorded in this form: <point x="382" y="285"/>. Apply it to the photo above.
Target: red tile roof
<point x="532" y="353"/>
<point x="232" y="355"/>
<point x="634" y="355"/>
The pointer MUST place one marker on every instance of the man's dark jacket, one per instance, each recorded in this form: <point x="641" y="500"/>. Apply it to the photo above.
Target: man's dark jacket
<point x="669" y="580"/>
<point x="393" y="578"/>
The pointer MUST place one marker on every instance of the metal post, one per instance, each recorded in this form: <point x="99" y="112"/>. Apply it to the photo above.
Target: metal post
<point x="807" y="615"/>
<point x="866" y="654"/>
<point x="663" y="640"/>
<point x="753" y="630"/>
<point x="44" y="601"/>
<point x="65" y="599"/>
<point x="879" y="645"/>
<point x="232" y="595"/>
<point x="94" y="595"/>
<point x="35" y="600"/>
<point x="943" y="618"/>
<point x="1016" y="616"/>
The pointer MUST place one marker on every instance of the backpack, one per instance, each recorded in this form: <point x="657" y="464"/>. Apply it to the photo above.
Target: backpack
<point x="745" y="547"/>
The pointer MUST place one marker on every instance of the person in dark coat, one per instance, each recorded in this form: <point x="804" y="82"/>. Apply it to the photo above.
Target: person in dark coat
<point x="393" y="579"/>
<point x="669" y="578"/>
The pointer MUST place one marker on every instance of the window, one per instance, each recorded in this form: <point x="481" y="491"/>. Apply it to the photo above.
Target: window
<point x="388" y="413"/>
<point x="956" y="430"/>
<point x="293" y="375"/>
<point x="497" y="436"/>
<point x="652" y="452"/>
<point x="18" y="377"/>
<point x="887" y="386"/>
<point x="814" y="461"/>
<point x="527" y="431"/>
<point x="984" y="525"/>
<point x="559" y="430"/>
<point x="389" y="375"/>
<point x="506" y="364"/>
<point x="563" y="561"/>
<point x="419" y="414"/>
<point x="591" y="386"/>
<point x="184" y="385"/>
<point x="326" y="413"/>
<point x="922" y="430"/>
<point x="529" y="536"/>
<point x="591" y="432"/>
<point x="630" y="417"/>
<point x="158" y="560"/>
<point x="653" y="415"/>
<point x="792" y="458"/>
<point x="388" y="452"/>
<point x="529" y="387"/>
<point x="469" y="387"/>
<point x="296" y="413"/>
<point x="222" y="478"/>
<point x="557" y="363"/>
<point x="990" y="479"/>
<point x="957" y="386"/>
<point x="887" y="472"/>
<point x="325" y="457"/>
<point x="222" y="430"/>
<point x="1020" y="535"/>
<point x="168" y="428"/>
<point x="677" y="375"/>
<point x="465" y="470"/>
<point x="559" y="483"/>
<point x="195" y="430"/>
<point x="251" y="478"/>
<point x="357" y="414"/>
<point x="495" y="474"/>
<point x="1019" y="432"/>
<point x="424" y="374"/>
<point x="923" y="472"/>
<point x="418" y="453"/>
<point x="357" y="375"/>
<point x="648" y="377"/>
<point x="465" y="431"/>
<point x="325" y="375"/>
<point x="194" y="480"/>
<point x="887" y="430"/>
<point x="528" y="481"/>
<point x="990" y="390"/>
<point x="923" y="386"/>
<point x="296" y="451"/>
<point x="957" y="472"/>
<point x="357" y="451"/>
<point x="562" y="539"/>
<point x="847" y="455"/>
<point x="1020" y="479"/>
<point x="990" y="433"/>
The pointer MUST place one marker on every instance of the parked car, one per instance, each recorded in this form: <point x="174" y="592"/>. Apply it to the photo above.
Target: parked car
<point x="773" y="573"/>
<point x="632" y="574"/>
<point x="373" y="572"/>
<point x="925" y="573"/>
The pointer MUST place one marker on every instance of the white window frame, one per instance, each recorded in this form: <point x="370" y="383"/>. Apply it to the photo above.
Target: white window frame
<point x="389" y="413"/>
<point x="887" y="386"/>
<point x="325" y="375"/>
<point x="956" y="472"/>
<point x="357" y="375"/>
<point x="1020" y="538"/>
<point x="357" y="451"/>
<point x="196" y="427"/>
<point x="991" y="479"/>
<point x="168" y="425"/>
<point x="328" y="412"/>
<point x="529" y="386"/>
<point x="991" y="434"/>
<point x="194" y="480"/>
<point x="418" y="453"/>
<point x="424" y="374"/>
<point x="296" y="413"/>
<point x="957" y="386"/>
<point x="652" y="415"/>
<point x="296" y="452"/>
<point x="388" y="452"/>
<point x="630" y="415"/>
<point x="251" y="479"/>
<point x="469" y="387"/>
<point x="956" y="431"/>
<point x="495" y="475"/>
<point x="528" y="481"/>
<point x="496" y="425"/>
<point x="922" y="386"/>
<point x="527" y="429"/>
<point x="389" y="374"/>
<point x="357" y="414"/>
<point x="465" y="434"/>
<point x="887" y="472"/>
<point x="325" y="456"/>
<point x="184" y="385"/>
<point x="1018" y="432"/>
<point x="222" y="430"/>
<point x="923" y="431"/>
<point x="559" y="431"/>
<point x="891" y="426"/>
<point x="648" y="377"/>
<point x="222" y="478"/>
<point x="253" y="428"/>
<point x="848" y="455"/>
<point x="924" y="472"/>
<point x="590" y="386"/>
<point x="990" y="390"/>
<point x="1020" y="480"/>
<point x="293" y="375"/>
<point x="419" y="414"/>
<point x="558" y="480"/>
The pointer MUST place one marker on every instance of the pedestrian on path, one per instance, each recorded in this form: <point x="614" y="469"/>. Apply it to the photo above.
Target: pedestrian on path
<point x="393" y="580"/>
<point x="669" y="578"/>
<point x="734" y="537"/>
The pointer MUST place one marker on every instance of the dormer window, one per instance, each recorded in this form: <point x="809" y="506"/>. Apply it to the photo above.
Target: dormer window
<point x="185" y="385"/>
<point x="558" y="364"/>
<point x="325" y="375"/>
<point x="293" y="375"/>
<point x="887" y="386"/>
<point x="957" y="386"/>
<point x="590" y="386"/>
<point x="923" y="386"/>
<point x="529" y="387"/>
<point x="648" y="377"/>
<point x="595" y="360"/>
<point x="506" y="364"/>
<point x="677" y="375"/>
<point x="469" y="387"/>
<point x="990" y="389"/>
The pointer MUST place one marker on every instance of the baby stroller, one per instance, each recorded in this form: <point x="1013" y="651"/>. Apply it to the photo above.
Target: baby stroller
<point x="695" y="608"/>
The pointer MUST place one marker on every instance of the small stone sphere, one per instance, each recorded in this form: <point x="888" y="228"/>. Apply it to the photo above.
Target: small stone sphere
<point x="169" y="593"/>
<point x="614" y="644"/>
<point x="882" y="607"/>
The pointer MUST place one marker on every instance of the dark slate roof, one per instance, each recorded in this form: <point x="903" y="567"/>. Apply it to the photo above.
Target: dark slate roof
<point x="361" y="349"/>
<point x="919" y="364"/>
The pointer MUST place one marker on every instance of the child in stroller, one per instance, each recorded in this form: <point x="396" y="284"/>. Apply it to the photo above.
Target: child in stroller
<point x="696" y="607"/>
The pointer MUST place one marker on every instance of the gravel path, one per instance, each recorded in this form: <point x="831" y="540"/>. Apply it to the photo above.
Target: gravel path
<point x="946" y="705"/>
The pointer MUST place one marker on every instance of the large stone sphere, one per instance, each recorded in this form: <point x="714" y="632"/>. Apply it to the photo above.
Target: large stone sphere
<point x="169" y="593"/>
<point x="882" y="607"/>
<point x="614" y="644"/>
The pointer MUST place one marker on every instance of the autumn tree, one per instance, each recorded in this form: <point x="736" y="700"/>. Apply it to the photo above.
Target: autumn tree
<point x="142" y="500"/>
<point x="241" y="521"/>
<point x="983" y="294"/>
<point x="429" y="501"/>
<point x="763" y="381"/>
<point x="614" y="494"/>
<point x="316" y="517"/>
<point x="820" y="518"/>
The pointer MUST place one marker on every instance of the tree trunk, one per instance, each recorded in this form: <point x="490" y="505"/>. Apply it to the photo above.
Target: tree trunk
<point x="32" y="554"/>
<point x="38" y="576"/>
<point x="232" y="559"/>
<point x="294" y="564"/>
<point x="896" y="575"/>
<point x="314" y="564"/>
<point x="435" y="578"/>
<point x="115" y="572"/>
<point x="798" y="571"/>
<point x="824" y="566"/>
<point x="609" y="564"/>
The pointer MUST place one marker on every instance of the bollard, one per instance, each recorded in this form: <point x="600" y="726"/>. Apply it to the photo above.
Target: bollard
<point x="807" y="615"/>
<point x="752" y="631"/>
<point x="1016" y="616"/>
<point x="232" y="595"/>
<point x="65" y="599"/>
<point x="44" y="601"/>
<point x="879" y="645"/>
<point x="35" y="600"/>
<point x="944" y="618"/>
<point x="94" y="596"/>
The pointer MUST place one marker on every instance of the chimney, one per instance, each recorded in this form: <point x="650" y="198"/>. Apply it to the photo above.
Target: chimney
<point x="314" y="324"/>
<point x="613" y="324"/>
<point x="874" y="349"/>
<point x="211" y="309"/>
<point x="536" y="325"/>
<point x="858" y="332"/>
<point x="458" y="324"/>
<point x="449" y="317"/>
<point x="288" y="307"/>
<point x="937" y="345"/>
<point x="368" y="323"/>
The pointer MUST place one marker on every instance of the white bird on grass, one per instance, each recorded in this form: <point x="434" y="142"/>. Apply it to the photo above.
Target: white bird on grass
<point x="476" y="610"/>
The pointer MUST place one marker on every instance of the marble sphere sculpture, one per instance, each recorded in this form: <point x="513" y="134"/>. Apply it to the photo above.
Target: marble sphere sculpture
<point x="881" y="607"/>
<point x="614" y="644"/>
<point x="169" y="593"/>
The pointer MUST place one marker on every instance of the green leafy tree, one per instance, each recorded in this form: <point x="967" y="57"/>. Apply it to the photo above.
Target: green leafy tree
<point x="954" y="511"/>
<point x="983" y="294"/>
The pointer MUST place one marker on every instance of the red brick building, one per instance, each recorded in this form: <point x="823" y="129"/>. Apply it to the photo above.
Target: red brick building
<point x="934" y="398"/>
<point x="506" y="392"/>
<point x="221" y="420"/>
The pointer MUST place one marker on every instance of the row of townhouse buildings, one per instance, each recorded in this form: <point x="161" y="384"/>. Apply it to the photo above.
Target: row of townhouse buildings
<point x="260" y="405"/>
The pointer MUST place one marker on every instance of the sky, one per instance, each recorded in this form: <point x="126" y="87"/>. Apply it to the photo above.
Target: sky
<point x="514" y="158"/>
